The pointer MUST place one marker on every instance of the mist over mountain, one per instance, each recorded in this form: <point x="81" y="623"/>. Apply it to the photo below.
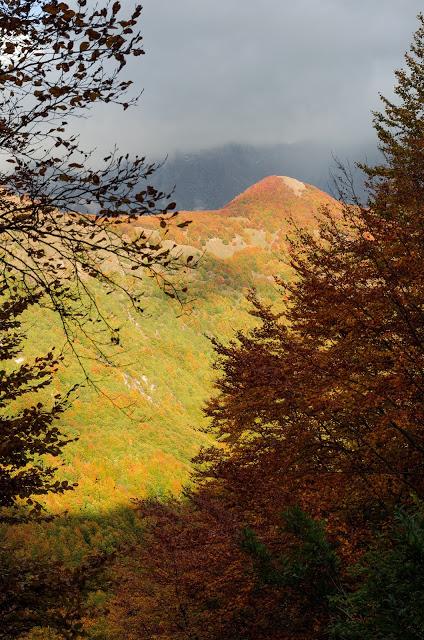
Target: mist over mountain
<point x="210" y="178"/>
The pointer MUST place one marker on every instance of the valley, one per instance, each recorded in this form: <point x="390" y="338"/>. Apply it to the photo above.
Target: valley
<point x="140" y="423"/>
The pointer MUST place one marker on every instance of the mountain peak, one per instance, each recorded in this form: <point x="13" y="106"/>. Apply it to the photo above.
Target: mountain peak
<point x="259" y="217"/>
<point x="280" y="189"/>
<point x="278" y="197"/>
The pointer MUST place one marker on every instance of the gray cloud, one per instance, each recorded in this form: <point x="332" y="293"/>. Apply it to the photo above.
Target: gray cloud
<point x="259" y="71"/>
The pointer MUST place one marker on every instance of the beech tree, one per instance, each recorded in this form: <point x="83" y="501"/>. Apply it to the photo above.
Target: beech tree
<point x="65" y="225"/>
<point x="33" y="593"/>
<point x="45" y="596"/>
<point x="338" y="374"/>
<point x="62" y="210"/>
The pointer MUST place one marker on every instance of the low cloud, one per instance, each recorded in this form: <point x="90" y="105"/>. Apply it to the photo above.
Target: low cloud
<point x="259" y="72"/>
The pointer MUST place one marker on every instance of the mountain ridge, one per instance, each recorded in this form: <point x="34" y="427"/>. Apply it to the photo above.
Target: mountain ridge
<point x="259" y="217"/>
<point x="207" y="179"/>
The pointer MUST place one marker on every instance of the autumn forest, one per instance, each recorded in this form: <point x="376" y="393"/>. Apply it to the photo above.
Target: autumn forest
<point x="211" y="422"/>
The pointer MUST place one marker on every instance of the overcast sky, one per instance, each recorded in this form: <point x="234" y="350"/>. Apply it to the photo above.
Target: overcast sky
<point x="259" y="71"/>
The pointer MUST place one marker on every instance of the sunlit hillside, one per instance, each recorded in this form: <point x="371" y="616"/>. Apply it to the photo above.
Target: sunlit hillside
<point x="138" y="426"/>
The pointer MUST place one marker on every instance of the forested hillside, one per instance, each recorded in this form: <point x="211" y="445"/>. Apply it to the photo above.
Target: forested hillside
<point x="138" y="418"/>
<point x="305" y="517"/>
<point x="211" y="422"/>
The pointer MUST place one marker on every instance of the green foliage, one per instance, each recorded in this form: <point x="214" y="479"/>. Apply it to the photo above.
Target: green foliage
<point x="313" y="561"/>
<point x="387" y="602"/>
<point x="308" y="563"/>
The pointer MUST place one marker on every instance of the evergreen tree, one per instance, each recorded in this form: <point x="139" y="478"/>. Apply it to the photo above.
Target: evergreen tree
<point x="387" y="602"/>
